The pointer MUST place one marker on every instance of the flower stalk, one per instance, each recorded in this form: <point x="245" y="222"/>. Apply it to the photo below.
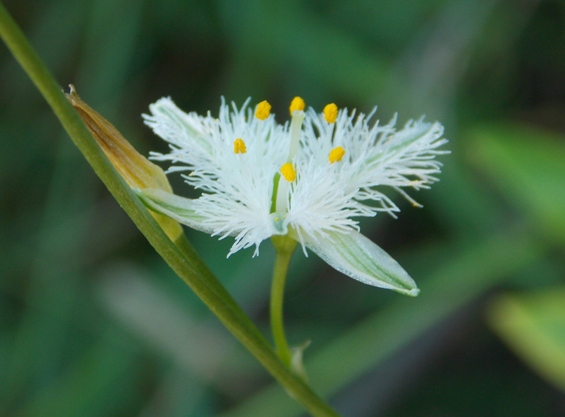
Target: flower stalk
<point x="284" y="248"/>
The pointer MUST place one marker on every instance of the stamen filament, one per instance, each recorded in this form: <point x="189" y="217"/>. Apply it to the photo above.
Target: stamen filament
<point x="282" y="196"/>
<point x="288" y="175"/>
<point x="295" y="127"/>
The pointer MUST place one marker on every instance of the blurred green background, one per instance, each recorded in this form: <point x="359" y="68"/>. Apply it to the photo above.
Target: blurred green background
<point x="92" y="323"/>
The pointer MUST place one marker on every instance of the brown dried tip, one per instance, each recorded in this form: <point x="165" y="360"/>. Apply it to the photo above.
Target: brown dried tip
<point x="134" y="168"/>
<point x="137" y="171"/>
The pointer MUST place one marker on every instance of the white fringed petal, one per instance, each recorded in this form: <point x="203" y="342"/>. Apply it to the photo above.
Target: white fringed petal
<point x="243" y="195"/>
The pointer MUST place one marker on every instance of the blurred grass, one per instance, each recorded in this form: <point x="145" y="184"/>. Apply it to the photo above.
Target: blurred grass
<point x="75" y="341"/>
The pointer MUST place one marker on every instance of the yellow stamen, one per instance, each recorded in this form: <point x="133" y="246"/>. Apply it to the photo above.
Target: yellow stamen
<point x="239" y="146"/>
<point x="336" y="154"/>
<point x="263" y="110"/>
<point x="296" y="104"/>
<point x="288" y="172"/>
<point x="330" y="113"/>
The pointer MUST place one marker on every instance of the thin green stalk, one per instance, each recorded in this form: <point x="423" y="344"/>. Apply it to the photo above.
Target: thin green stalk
<point x="203" y="283"/>
<point x="284" y="247"/>
<point x="471" y="270"/>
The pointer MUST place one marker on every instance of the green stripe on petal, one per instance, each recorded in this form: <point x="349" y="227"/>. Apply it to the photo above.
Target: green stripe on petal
<point x="178" y="208"/>
<point x="359" y="258"/>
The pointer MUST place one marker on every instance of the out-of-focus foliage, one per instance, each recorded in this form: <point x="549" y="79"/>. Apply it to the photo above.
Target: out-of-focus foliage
<point x="93" y="323"/>
<point x="528" y="167"/>
<point x="533" y="324"/>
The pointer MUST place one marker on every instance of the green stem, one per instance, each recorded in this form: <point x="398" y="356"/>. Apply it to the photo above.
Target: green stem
<point x="182" y="258"/>
<point x="284" y="247"/>
<point x="479" y="266"/>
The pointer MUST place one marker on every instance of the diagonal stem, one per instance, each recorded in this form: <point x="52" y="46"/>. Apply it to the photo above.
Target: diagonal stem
<point x="181" y="257"/>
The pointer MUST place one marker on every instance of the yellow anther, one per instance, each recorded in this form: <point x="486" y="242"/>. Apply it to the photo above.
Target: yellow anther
<point x="296" y="104"/>
<point x="336" y="154"/>
<point x="263" y="110"/>
<point x="330" y="113"/>
<point x="239" y="146"/>
<point x="288" y="172"/>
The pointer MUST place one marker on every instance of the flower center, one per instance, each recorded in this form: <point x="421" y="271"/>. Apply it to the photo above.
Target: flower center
<point x="287" y="170"/>
<point x="287" y="173"/>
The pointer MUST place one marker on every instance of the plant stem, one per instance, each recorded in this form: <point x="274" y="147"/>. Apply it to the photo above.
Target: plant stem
<point x="182" y="259"/>
<point x="284" y="247"/>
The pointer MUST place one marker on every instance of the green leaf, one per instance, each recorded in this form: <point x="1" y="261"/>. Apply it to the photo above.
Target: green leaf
<point x="359" y="258"/>
<point x="533" y="326"/>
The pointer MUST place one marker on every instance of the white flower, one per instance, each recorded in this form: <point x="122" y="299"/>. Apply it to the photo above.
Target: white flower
<point x="308" y="179"/>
